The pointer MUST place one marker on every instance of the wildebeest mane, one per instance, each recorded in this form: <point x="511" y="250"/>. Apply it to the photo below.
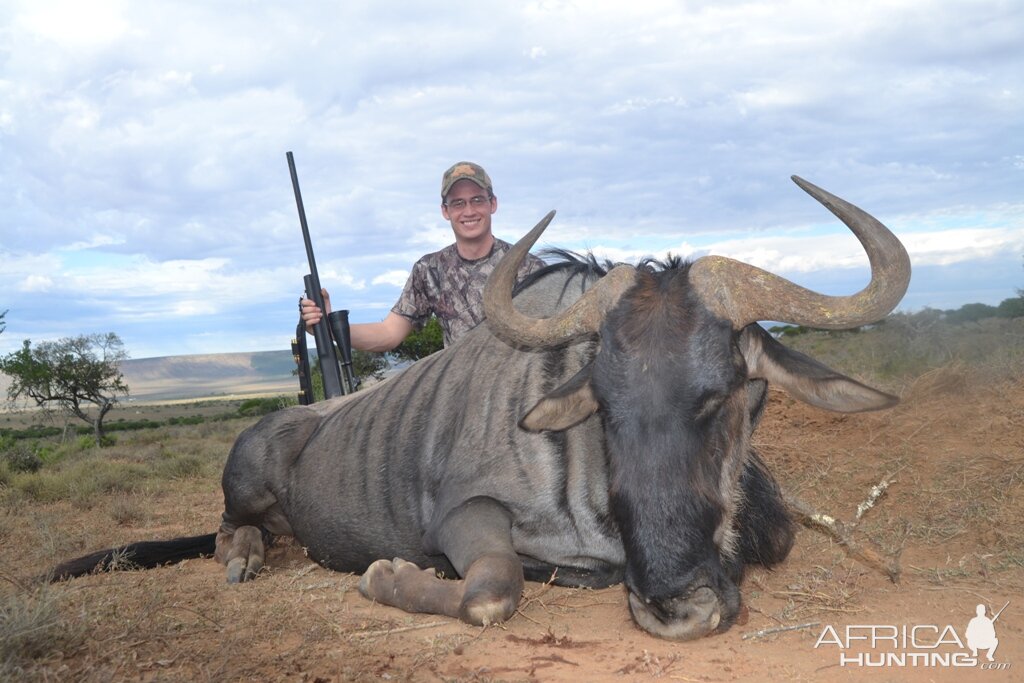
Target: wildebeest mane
<point x="589" y="268"/>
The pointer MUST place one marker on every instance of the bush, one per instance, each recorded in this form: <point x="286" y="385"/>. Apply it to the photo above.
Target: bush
<point x="21" y="458"/>
<point x="179" y="467"/>
<point x="189" y="420"/>
<point x="256" y="407"/>
<point x="131" y="425"/>
<point x="82" y="482"/>
<point x="421" y="343"/>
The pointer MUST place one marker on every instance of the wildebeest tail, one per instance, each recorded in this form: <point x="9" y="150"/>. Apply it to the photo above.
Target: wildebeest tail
<point x="141" y="555"/>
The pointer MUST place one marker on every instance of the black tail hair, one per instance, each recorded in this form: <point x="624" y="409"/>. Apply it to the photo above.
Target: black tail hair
<point x="141" y="555"/>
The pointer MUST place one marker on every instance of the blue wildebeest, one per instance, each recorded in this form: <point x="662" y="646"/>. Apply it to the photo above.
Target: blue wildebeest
<point x="597" y="430"/>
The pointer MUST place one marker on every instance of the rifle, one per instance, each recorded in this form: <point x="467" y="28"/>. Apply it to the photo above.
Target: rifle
<point x="330" y="330"/>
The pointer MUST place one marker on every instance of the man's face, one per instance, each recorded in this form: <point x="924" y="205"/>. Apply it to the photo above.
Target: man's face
<point x="470" y="217"/>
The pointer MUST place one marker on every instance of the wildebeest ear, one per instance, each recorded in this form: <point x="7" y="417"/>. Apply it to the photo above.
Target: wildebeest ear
<point x="757" y="396"/>
<point x="568" y="405"/>
<point x="805" y="378"/>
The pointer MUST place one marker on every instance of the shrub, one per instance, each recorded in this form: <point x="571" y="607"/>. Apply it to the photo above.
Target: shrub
<point x="82" y="482"/>
<point x="255" y="407"/>
<point x="179" y="467"/>
<point x="127" y="509"/>
<point x="186" y="420"/>
<point x="21" y="458"/>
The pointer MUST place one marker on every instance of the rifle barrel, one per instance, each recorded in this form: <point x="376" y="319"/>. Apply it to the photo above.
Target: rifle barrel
<point x="321" y="331"/>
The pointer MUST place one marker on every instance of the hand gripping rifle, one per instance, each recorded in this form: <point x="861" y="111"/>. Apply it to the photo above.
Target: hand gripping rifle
<point x="330" y="330"/>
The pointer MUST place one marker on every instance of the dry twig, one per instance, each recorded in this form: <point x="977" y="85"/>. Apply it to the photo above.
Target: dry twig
<point x="780" y="629"/>
<point x="389" y="631"/>
<point x="841" y="533"/>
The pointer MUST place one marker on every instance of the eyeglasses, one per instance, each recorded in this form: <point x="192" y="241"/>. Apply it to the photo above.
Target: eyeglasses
<point x="476" y="202"/>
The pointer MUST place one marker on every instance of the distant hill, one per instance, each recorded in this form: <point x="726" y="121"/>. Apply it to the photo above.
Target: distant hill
<point x="205" y="375"/>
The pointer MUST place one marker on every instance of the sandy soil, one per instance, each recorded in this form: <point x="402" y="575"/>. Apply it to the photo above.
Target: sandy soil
<point x="953" y="515"/>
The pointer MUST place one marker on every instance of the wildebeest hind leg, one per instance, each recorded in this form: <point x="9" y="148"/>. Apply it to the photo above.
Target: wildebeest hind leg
<point x="242" y="549"/>
<point x="477" y="539"/>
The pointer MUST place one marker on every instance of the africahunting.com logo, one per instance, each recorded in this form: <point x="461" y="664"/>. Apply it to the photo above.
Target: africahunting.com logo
<point x="921" y="645"/>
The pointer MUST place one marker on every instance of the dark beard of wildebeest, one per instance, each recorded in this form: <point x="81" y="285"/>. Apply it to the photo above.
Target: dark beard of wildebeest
<point x="597" y="430"/>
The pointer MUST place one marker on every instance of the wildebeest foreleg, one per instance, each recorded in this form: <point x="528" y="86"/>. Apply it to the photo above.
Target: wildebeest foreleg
<point x="477" y="539"/>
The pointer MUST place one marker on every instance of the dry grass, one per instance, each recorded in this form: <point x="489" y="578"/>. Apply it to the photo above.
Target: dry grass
<point x="909" y="346"/>
<point x="33" y="625"/>
<point x="821" y="591"/>
<point x="955" y="510"/>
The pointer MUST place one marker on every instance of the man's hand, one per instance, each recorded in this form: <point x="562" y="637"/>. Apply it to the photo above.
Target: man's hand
<point x="311" y="313"/>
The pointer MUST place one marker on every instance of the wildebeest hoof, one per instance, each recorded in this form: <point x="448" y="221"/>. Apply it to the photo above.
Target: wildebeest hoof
<point x="237" y="570"/>
<point x="242" y="551"/>
<point x="378" y="582"/>
<point x="494" y="585"/>
<point x="484" y="611"/>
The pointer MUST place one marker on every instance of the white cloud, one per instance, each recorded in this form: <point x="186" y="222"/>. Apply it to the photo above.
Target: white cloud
<point x="807" y="253"/>
<point x="95" y="241"/>
<point x="958" y="246"/>
<point x="35" y="283"/>
<point x="69" y="24"/>
<point x="395" y="278"/>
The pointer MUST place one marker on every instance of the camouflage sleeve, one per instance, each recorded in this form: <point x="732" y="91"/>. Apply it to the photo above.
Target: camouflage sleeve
<point x="415" y="304"/>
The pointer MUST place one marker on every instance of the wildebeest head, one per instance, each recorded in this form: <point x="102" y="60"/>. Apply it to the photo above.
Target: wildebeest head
<point x="677" y="350"/>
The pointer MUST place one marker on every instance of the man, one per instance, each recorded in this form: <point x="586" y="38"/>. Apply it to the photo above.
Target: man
<point x="447" y="283"/>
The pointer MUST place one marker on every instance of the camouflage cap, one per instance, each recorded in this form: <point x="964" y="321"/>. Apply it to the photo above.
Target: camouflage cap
<point x="465" y="170"/>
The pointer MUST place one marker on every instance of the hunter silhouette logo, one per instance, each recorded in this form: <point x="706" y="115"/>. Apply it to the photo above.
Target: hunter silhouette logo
<point x="981" y="632"/>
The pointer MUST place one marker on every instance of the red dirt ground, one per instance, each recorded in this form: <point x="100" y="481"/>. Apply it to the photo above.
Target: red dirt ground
<point x="954" y="513"/>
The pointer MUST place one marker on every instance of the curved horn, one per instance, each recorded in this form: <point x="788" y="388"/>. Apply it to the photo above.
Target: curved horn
<point x="744" y="294"/>
<point x="582" y="318"/>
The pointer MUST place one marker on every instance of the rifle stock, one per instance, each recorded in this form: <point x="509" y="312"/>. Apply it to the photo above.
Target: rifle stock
<point x="322" y="332"/>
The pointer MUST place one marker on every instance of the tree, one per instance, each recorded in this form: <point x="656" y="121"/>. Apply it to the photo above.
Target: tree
<point x="77" y="375"/>
<point x="421" y="343"/>
<point x="3" y="325"/>
<point x="368" y="364"/>
<point x="1011" y="308"/>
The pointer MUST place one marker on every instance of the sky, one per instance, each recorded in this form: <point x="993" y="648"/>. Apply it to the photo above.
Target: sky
<point x="145" y="190"/>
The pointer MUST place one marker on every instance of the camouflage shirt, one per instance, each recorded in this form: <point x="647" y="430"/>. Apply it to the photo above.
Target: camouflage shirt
<point x="452" y="288"/>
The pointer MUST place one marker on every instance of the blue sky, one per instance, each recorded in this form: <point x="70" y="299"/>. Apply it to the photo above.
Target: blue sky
<point x="145" y="189"/>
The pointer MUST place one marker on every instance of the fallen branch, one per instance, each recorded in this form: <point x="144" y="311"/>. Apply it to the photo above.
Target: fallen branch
<point x="874" y="493"/>
<point x="841" y="533"/>
<point x="403" y="629"/>
<point x="779" y="629"/>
